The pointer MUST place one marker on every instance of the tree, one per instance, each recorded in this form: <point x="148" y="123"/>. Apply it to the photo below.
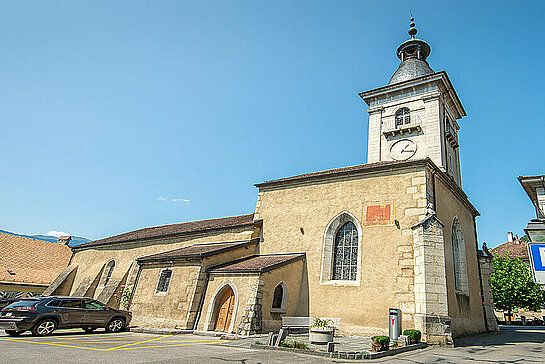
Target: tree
<point x="513" y="286"/>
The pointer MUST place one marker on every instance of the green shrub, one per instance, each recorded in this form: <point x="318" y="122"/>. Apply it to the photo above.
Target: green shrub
<point x="293" y="344"/>
<point x="382" y="340"/>
<point x="414" y="335"/>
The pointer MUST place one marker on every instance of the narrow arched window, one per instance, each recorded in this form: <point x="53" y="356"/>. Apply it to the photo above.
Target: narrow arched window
<point x="108" y="272"/>
<point x="345" y="255"/>
<point x="280" y="298"/>
<point x="459" y="257"/>
<point x="164" y="281"/>
<point x="403" y="117"/>
<point x="277" y="297"/>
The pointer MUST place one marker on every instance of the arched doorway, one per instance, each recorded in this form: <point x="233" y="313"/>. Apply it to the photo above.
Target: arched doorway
<point x="225" y="310"/>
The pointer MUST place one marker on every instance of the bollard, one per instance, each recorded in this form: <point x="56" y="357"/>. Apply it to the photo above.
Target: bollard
<point x="395" y="323"/>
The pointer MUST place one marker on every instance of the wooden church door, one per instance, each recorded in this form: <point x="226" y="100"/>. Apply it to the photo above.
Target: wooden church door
<point x="225" y="310"/>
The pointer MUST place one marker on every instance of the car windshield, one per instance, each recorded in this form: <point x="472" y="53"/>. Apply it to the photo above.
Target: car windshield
<point x="23" y="304"/>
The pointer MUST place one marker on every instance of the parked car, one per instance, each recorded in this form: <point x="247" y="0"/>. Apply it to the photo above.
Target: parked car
<point x="7" y="301"/>
<point x="43" y="315"/>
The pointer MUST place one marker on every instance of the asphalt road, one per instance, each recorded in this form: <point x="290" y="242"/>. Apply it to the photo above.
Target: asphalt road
<point x="516" y="344"/>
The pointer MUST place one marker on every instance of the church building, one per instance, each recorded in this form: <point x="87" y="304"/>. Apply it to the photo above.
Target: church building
<point x="345" y="243"/>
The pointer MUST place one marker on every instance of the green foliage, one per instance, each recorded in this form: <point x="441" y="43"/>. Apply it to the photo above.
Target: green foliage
<point x="293" y="344"/>
<point x="414" y="335"/>
<point x="525" y="238"/>
<point x="257" y="342"/>
<point x="513" y="286"/>
<point x="382" y="340"/>
<point x="318" y="322"/>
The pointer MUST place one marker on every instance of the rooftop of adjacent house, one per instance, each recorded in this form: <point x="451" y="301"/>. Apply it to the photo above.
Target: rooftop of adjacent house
<point x="175" y="229"/>
<point x="198" y="251"/>
<point x="30" y="261"/>
<point x="258" y="263"/>
<point x="534" y="186"/>
<point x="514" y="249"/>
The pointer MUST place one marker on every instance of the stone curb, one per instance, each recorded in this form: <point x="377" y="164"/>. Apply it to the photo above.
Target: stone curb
<point x="345" y="355"/>
<point x="159" y="331"/>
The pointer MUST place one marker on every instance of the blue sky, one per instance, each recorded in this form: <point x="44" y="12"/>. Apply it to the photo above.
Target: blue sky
<point x="112" y="110"/>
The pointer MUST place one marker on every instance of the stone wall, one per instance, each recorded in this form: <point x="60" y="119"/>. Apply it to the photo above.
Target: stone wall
<point x="487" y="268"/>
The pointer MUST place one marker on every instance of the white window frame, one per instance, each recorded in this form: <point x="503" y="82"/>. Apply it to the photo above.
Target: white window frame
<point x="331" y="230"/>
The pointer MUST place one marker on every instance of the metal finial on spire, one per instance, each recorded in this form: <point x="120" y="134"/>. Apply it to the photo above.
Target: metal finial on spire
<point x="412" y="30"/>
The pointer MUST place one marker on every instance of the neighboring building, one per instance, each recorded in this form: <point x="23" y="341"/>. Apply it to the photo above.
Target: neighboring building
<point x="28" y="266"/>
<point x="514" y="248"/>
<point x="534" y="186"/>
<point x="344" y="243"/>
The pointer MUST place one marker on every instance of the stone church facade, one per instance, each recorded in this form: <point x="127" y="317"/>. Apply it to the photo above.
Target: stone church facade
<point x="344" y="243"/>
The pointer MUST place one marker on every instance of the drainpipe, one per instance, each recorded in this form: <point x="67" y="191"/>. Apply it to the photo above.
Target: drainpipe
<point x="201" y="301"/>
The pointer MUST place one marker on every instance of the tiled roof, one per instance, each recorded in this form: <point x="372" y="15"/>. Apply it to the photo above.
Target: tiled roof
<point x="512" y="249"/>
<point x="258" y="263"/>
<point x="31" y="261"/>
<point x="342" y="170"/>
<point x="174" y="229"/>
<point x="198" y="250"/>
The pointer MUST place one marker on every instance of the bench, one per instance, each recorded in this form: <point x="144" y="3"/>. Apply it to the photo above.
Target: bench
<point x="306" y="322"/>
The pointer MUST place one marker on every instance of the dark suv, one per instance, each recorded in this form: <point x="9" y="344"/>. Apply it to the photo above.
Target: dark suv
<point x="43" y="315"/>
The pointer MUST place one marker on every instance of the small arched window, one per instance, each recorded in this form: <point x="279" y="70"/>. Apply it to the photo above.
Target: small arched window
<point x="280" y="298"/>
<point x="345" y="254"/>
<point x="459" y="256"/>
<point x="403" y="117"/>
<point x="108" y="272"/>
<point x="164" y="281"/>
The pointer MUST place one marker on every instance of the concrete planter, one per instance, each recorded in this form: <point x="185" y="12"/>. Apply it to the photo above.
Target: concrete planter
<point x="320" y="335"/>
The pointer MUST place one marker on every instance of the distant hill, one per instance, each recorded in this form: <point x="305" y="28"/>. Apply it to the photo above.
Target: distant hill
<point x="76" y="240"/>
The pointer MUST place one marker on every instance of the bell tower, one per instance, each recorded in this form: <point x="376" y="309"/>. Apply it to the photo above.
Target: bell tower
<point x="416" y="115"/>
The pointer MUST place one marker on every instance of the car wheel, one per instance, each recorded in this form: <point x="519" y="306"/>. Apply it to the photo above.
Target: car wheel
<point x="115" y="325"/>
<point x="44" y="328"/>
<point x="14" y="332"/>
<point x="89" y="329"/>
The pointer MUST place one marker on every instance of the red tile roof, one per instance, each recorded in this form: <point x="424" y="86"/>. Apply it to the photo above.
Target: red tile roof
<point x="31" y="261"/>
<point x="175" y="229"/>
<point x="515" y="249"/>
<point x="258" y="263"/>
<point x="198" y="250"/>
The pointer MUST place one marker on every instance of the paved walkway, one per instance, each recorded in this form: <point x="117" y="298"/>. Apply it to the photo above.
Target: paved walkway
<point x="345" y="343"/>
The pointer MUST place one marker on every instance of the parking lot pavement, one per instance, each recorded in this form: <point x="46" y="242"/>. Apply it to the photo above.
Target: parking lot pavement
<point x="516" y="344"/>
<point x="75" y="346"/>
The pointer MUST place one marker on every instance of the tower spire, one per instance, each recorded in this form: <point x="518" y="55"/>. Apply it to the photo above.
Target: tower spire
<point x="412" y="30"/>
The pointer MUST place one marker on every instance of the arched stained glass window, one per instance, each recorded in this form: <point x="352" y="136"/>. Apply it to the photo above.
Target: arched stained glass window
<point x="403" y="117"/>
<point x="345" y="256"/>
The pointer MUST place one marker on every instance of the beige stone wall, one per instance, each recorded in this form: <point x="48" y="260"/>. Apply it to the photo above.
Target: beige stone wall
<point x="386" y="275"/>
<point x="292" y="275"/>
<point x="90" y="261"/>
<point x="242" y="287"/>
<point x="465" y="311"/>
<point x="177" y="308"/>
<point x="168" y="309"/>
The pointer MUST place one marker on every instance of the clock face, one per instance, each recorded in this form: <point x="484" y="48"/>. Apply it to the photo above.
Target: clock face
<point x="402" y="149"/>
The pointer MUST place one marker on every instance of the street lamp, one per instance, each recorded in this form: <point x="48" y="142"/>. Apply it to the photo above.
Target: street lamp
<point x="536" y="230"/>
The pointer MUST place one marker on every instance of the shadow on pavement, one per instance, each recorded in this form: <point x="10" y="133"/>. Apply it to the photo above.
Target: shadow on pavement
<point x="509" y="335"/>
